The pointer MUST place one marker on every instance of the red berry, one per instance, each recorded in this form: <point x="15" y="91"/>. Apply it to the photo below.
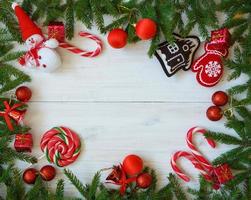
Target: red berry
<point x="220" y="98"/>
<point x="146" y="29"/>
<point x="23" y="93"/>
<point x="30" y="175"/>
<point x="48" y="172"/>
<point x="214" y="113"/>
<point x="144" y="180"/>
<point x="117" y="38"/>
<point x="133" y="165"/>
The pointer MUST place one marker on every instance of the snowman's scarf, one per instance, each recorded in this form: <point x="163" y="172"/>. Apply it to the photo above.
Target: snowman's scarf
<point x="32" y="55"/>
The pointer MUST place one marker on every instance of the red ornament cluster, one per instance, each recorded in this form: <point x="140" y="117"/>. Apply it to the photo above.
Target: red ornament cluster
<point x="130" y="171"/>
<point x="145" y="29"/>
<point x="215" y="113"/>
<point x="47" y="173"/>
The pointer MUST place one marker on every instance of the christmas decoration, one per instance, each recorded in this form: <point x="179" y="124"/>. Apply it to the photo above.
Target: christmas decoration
<point x="81" y="52"/>
<point x="23" y="93"/>
<point x="214" y="113"/>
<point x="144" y="180"/>
<point x="178" y="55"/>
<point x="190" y="157"/>
<point x="41" y="54"/>
<point x="221" y="174"/>
<point x="56" y="30"/>
<point x="30" y="175"/>
<point x="133" y="165"/>
<point x="146" y="29"/>
<point x="12" y="112"/>
<point x="220" y="39"/>
<point x="117" y="38"/>
<point x="23" y="142"/>
<point x="61" y="146"/>
<point x="47" y="172"/>
<point x="217" y="175"/>
<point x="118" y="177"/>
<point x="201" y="14"/>
<point x="220" y="98"/>
<point x="209" y="67"/>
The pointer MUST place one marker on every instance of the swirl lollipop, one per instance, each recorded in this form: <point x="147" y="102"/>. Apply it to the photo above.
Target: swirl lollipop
<point x="61" y="146"/>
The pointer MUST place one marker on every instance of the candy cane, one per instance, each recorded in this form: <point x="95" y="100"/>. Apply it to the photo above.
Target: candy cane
<point x="81" y="52"/>
<point x="204" y="162"/>
<point x="190" y="157"/>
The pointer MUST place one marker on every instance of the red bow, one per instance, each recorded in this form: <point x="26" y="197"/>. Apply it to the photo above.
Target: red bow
<point x="11" y="113"/>
<point x="123" y="181"/>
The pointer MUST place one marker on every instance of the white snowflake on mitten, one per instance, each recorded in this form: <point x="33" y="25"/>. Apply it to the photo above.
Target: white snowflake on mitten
<point x="213" y="69"/>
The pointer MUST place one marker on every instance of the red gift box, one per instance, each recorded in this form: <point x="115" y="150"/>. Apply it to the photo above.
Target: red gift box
<point x="223" y="173"/>
<point x="56" y="30"/>
<point x="23" y="142"/>
<point x="220" y="39"/>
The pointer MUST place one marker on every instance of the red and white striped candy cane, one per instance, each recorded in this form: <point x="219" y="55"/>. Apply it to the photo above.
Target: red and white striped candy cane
<point x="81" y="52"/>
<point x="190" y="157"/>
<point x="204" y="162"/>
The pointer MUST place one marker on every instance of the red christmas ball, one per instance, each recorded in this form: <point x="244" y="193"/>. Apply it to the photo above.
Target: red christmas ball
<point x="133" y="165"/>
<point x="48" y="172"/>
<point x="23" y="93"/>
<point x="144" y="180"/>
<point x="117" y="38"/>
<point x="214" y="113"/>
<point x="30" y="175"/>
<point x="146" y="29"/>
<point x="220" y="98"/>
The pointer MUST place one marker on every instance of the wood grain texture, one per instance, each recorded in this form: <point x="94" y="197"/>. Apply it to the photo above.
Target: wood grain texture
<point x="120" y="103"/>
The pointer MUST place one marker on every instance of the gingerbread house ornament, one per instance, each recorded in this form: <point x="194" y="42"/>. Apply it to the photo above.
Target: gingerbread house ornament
<point x="177" y="55"/>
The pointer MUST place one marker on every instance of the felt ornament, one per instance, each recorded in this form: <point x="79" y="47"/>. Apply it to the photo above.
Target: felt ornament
<point x="209" y="66"/>
<point x="177" y="55"/>
<point x="41" y="52"/>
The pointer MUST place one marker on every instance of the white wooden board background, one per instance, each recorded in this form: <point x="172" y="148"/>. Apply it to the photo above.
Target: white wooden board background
<point x="120" y="103"/>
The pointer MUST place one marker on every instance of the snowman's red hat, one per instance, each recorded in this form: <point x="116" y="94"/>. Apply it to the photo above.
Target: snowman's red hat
<point x="26" y="25"/>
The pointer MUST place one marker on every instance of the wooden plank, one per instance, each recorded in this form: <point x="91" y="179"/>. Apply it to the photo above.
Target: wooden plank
<point x="109" y="131"/>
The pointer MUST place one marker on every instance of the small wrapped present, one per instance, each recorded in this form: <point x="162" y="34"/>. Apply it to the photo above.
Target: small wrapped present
<point x="220" y="39"/>
<point x="223" y="173"/>
<point x="23" y="142"/>
<point x="56" y="30"/>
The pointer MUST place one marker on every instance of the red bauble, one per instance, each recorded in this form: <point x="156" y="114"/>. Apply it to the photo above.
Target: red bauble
<point x="214" y="113"/>
<point x="144" y="180"/>
<point x="220" y="98"/>
<point x="146" y="29"/>
<point x="48" y="172"/>
<point x="23" y="93"/>
<point x="30" y="175"/>
<point x="117" y="38"/>
<point x="133" y="165"/>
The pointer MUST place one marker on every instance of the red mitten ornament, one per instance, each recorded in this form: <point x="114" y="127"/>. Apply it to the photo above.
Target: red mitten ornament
<point x="209" y="67"/>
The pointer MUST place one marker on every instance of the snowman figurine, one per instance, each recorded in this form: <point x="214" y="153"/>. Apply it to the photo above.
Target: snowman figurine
<point x="41" y="52"/>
